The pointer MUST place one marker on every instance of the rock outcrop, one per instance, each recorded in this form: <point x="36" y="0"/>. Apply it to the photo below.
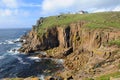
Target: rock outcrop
<point x="87" y="52"/>
<point x="74" y="35"/>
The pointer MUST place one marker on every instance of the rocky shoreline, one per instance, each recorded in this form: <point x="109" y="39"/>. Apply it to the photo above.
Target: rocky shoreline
<point x="86" y="52"/>
<point x="89" y="47"/>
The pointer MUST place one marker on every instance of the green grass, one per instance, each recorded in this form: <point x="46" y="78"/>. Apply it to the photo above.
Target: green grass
<point x="93" y="20"/>
<point x="114" y="42"/>
<point x="107" y="77"/>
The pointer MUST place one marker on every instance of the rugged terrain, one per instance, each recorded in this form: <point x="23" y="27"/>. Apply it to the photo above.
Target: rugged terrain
<point x="88" y="43"/>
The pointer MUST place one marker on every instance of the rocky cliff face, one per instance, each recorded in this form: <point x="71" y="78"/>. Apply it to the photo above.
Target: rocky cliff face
<point x="74" y="35"/>
<point x="54" y="37"/>
<point x="87" y="52"/>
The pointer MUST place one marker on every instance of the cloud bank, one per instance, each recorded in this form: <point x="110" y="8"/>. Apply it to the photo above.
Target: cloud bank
<point x="51" y="6"/>
<point x="17" y="13"/>
<point x="24" y="13"/>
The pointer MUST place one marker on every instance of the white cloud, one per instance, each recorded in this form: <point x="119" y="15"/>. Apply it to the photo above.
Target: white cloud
<point x="17" y="4"/>
<point x="13" y="12"/>
<point x="29" y="5"/>
<point x="9" y="3"/>
<point x="116" y="8"/>
<point x="52" y="6"/>
<point x="5" y="12"/>
<point x="101" y="10"/>
<point x="15" y="8"/>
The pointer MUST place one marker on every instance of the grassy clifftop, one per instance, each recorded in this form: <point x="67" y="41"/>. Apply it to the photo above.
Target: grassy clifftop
<point x="89" y="44"/>
<point x="93" y="20"/>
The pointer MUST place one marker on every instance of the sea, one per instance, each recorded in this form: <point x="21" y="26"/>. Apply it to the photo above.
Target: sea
<point x="19" y="65"/>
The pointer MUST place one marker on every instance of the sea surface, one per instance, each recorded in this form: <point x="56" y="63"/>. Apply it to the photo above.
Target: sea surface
<point x="14" y="64"/>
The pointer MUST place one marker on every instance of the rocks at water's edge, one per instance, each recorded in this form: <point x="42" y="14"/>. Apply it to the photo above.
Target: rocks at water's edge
<point x="87" y="52"/>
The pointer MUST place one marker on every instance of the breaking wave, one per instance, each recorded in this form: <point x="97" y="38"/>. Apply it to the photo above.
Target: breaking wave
<point x="11" y="41"/>
<point x="14" y="50"/>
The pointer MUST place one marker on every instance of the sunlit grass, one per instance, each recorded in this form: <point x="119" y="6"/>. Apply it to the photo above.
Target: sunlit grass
<point x="115" y="42"/>
<point x="93" y="20"/>
<point x="106" y="77"/>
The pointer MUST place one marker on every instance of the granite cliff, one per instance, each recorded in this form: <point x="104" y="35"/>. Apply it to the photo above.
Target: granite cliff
<point x="89" y="44"/>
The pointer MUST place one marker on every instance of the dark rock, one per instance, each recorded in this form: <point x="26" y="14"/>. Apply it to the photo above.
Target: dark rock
<point x="51" y="79"/>
<point x="68" y="51"/>
<point x="70" y="78"/>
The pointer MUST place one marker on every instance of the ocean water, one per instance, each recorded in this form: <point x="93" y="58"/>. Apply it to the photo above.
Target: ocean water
<point x="14" y="64"/>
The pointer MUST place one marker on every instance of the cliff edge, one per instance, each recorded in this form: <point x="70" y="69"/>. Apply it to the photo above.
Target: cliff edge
<point x="88" y="43"/>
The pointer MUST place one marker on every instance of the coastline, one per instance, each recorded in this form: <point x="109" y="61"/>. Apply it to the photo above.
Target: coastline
<point x="88" y="48"/>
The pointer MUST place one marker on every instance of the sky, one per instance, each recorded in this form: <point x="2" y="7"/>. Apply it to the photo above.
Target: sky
<point x="25" y="13"/>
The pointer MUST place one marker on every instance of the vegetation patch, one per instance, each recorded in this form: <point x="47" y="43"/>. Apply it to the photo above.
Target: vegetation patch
<point x="93" y="20"/>
<point x="114" y="42"/>
<point x="107" y="76"/>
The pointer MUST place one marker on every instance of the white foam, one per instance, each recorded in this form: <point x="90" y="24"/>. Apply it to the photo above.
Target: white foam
<point x="21" y="60"/>
<point x="43" y="53"/>
<point x="14" y="50"/>
<point x="60" y="61"/>
<point x="3" y="43"/>
<point x="33" y="58"/>
<point x="19" y="45"/>
<point x="18" y="39"/>
<point x="37" y="59"/>
<point x="7" y="42"/>
<point x="11" y="41"/>
<point x="41" y="77"/>
<point x="2" y="57"/>
<point x="24" y="40"/>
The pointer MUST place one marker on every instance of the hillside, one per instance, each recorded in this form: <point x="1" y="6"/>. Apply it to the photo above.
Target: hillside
<point x="93" y="20"/>
<point x="89" y="44"/>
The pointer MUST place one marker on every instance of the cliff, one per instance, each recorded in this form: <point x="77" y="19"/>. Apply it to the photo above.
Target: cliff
<point x="89" y="43"/>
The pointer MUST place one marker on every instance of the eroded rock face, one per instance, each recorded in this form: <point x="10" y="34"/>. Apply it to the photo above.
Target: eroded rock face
<point x="34" y="43"/>
<point x="84" y="50"/>
<point x="31" y="42"/>
<point x="74" y="35"/>
<point x="55" y="37"/>
<point x="71" y="39"/>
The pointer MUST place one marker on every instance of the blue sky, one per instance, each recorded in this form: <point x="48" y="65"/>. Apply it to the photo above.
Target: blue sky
<point x="24" y="13"/>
